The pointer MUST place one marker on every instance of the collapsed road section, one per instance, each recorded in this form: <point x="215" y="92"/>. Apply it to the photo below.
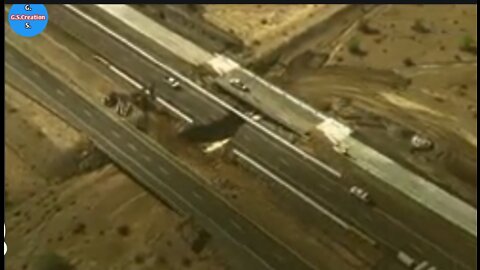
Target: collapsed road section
<point x="329" y="128"/>
<point x="156" y="169"/>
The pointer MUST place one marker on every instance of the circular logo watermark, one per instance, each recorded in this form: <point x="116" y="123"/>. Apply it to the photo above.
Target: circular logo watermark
<point x="28" y="20"/>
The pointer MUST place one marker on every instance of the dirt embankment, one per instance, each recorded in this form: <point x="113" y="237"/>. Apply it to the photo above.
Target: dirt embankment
<point x="48" y="145"/>
<point x="189" y="21"/>
<point x="100" y="220"/>
<point x="320" y="31"/>
<point x="410" y="69"/>
<point x="92" y="230"/>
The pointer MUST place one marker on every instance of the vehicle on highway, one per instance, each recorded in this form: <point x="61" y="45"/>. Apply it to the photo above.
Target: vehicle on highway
<point x="341" y="149"/>
<point x="174" y="83"/>
<point x="425" y="265"/>
<point x="238" y="84"/>
<point x="421" y="143"/>
<point x="361" y="194"/>
<point x="110" y="100"/>
<point x="254" y="116"/>
<point x="405" y="259"/>
<point x="149" y="89"/>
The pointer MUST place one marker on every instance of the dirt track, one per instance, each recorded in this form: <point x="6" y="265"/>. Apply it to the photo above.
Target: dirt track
<point x="386" y="98"/>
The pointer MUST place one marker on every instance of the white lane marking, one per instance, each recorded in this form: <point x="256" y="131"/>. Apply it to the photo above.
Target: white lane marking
<point x="136" y="163"/>
<point x="236" y="225"/>
<point x="141" y="52"/>
<point x="174" y="109"/>
<point x="35" y="73"/>
<point x="60" y="92"/>
<point x="115" y="134"/>
<point x="100" y="59"/>
<point x="292" y="189"/>
<point x="164" y="171"/>
<point x="279" y="257"/>
<point x="133" y="147"/>
<point x="125" y="76"/>
<point x="204" y="91"/>
<point x="62" y="47"/>
<point x="284" y="161"/>
<point x="139" y="86"/>
<point x="419" y="236"/>
<point x="416" y="248"/>
<point x="197" y="195"/>
<point x="118" y="71"/>
<point x="88" y="113"/>
<point x="146" y="158"/>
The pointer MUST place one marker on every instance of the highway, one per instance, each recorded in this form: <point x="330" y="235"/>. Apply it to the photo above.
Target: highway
<point x="275" y="102"/>
<point x="153" y="167"/>
<point x="259" y="96"/>
<point x="190" y="102"/>
<point x="376" y="221"/>
<point x="310" y="178"/>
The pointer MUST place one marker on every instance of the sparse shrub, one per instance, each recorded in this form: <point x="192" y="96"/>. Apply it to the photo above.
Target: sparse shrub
<point x="354" y="47"/>
<point x="79" y="228"/>
<point x="51" y="261"/>
<point x="161" y="260"/>
<point x="468" y="44"/>
<point x="420" y="27"/>
<point x="186" y="262"/>
<point x="123" y="230"/>
<point x="367" y="29"/>
<point x="408" y="62"/>
<point x="139" y="259"/>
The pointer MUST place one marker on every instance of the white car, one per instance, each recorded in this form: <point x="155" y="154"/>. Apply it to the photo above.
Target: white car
<point x="421" y="143"/>
<point x="174" y="83"/>
<point x="237" y="83"/>
<point x="360" y="193"/>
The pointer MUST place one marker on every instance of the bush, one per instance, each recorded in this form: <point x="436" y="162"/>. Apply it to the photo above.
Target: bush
<point x="468" y="44"/>
<point x="354" y="47"/>
<point x="420" y="27"/>
<point x="408" y="62"/>
<point x="367" y="29"/>
<point x="51" y="261"/>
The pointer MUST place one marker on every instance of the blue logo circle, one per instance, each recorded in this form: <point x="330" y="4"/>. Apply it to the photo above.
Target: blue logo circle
<point x="28" y="20"/>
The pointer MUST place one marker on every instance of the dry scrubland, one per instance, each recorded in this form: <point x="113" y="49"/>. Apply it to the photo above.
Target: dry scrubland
<point x="407" y="69"/>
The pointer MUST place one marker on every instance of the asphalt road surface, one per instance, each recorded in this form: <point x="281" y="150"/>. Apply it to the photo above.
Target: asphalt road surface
<point x="153" y="167"/>
<point x="268" y="102"/>
<point x="380" y="225"/>
<point x="317" y="182"/>
<point x="187" y="100"/>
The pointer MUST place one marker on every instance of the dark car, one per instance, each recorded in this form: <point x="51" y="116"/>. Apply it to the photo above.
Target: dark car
<point x="110" y="100"/>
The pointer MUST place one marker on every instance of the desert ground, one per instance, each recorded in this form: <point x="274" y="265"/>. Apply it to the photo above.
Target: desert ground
<point x="388" y="71"/>
<point x="78" y="217"/>
<point x="403" y="81"/>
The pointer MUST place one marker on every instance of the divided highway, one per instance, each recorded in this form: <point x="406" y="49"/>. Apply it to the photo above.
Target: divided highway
<point x="190" y="102"/>
<point x="308" y="177"/>
<point x="373" y="220"/>
<point x="154" y="167"/>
